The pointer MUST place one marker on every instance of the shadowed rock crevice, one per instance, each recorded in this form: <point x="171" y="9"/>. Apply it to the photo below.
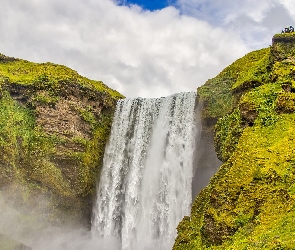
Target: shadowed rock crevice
<point x="206" y="163"/>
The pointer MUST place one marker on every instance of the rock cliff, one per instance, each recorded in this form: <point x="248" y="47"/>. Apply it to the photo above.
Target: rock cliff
<point x="54" y="125"/>
<point x="250" y="202"/>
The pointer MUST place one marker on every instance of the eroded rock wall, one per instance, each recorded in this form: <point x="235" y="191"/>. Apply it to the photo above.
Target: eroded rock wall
<point x="54" y="125"/>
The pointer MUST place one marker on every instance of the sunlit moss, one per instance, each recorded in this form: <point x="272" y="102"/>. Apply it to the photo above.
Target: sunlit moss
<point x="250" y="202"/>
<point x="46" y="75"/>
<point x="253" y="192"/>
<point x="217" y="94"/>
<point x="227" y="133"/>
<point x="93" y="156"/>
<point x="256" y="71"/>
<point x="62" y="167"/>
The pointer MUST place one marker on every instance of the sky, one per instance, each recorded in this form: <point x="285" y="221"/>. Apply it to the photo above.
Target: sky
<point x="148" y="4"/>
<point x="141" y="48"/>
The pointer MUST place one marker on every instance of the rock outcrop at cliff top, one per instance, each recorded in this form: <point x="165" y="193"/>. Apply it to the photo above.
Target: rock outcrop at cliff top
<point x="250" y="202"/>
<point x="54" y="125"/>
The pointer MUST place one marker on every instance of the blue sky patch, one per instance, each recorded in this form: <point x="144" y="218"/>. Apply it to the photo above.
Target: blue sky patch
<point x="149" y="4"/>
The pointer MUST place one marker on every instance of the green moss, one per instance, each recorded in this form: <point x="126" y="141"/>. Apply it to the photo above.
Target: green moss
<point x="214" y="107"/>
<point x="256" y="71"/>
<point x="218" y="95"/>
<point x="260" y="191"/>
<point x="283" y="47"/>
<point x="47" y="76"/>
<point x="285" y="102"/>
<point x="250" y="201"/>
<point x="227" y="133"/>
<point x="16" y="125"/>
<point x="50" y="176"/>
<point x="93" y="157"/>
<point x="189" y="229"/>
<point x="262" y="101"/>
<point x="45" y="98"/>
<point x="284" y="35"/>
<point x="22" y="142"/>
<point x="61" y="164"/>
<point x="88" y="116"/>
<point x="283" y="73"/>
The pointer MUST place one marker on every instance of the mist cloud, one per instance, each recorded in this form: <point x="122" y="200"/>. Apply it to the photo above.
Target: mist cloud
<point x="28" y="225"/>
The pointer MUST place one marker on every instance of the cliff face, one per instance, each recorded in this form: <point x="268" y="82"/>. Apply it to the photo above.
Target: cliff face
<point x="54" y="125"/>
<point x="250" y="201"/>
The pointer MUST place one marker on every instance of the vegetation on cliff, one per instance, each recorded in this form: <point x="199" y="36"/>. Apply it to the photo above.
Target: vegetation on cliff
<point x="54" y="125"/>
<point x="250" y="202"/>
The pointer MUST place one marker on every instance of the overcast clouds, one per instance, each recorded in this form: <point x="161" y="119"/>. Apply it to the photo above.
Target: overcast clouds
<point x="137" y="52"/>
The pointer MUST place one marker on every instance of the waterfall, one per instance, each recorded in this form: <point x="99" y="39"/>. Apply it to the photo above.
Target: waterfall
<point x="145" y="184"/>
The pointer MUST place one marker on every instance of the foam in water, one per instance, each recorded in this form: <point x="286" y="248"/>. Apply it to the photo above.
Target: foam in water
<point x="145" y="185"/>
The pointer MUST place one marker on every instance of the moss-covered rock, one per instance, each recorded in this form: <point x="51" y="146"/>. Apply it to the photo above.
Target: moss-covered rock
<point x="283" y="46"/>
<point x="228" y="130"/>
<point x="220" y="95"/>
<point x="249" y="203"/>
<point x="285" y="102"/>
<point x="54" y="125"/>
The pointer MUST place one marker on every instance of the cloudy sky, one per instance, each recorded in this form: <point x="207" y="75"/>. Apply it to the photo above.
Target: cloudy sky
<point x="146" y="48"/>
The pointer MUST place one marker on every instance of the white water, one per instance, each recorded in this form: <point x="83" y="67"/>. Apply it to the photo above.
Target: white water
<point x="145" y="185"/>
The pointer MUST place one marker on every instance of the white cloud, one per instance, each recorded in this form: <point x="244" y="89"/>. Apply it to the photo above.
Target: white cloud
<point x="138" y="53"/>
<point x="254" y="21"/>
<point x="290" y="6"/>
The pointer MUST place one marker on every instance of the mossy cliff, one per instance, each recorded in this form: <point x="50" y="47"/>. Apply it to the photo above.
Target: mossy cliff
<point x="250" y="201"/>
<point x="54" y="125"/>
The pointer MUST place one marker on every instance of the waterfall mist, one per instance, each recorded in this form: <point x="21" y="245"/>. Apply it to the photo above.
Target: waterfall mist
<point x="156" y="161"/>
<point x="28" y="228"/>
<point x="145" y="187"/>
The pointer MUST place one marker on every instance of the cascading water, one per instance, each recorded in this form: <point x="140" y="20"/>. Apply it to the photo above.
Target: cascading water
<point x="145" y="185"/>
